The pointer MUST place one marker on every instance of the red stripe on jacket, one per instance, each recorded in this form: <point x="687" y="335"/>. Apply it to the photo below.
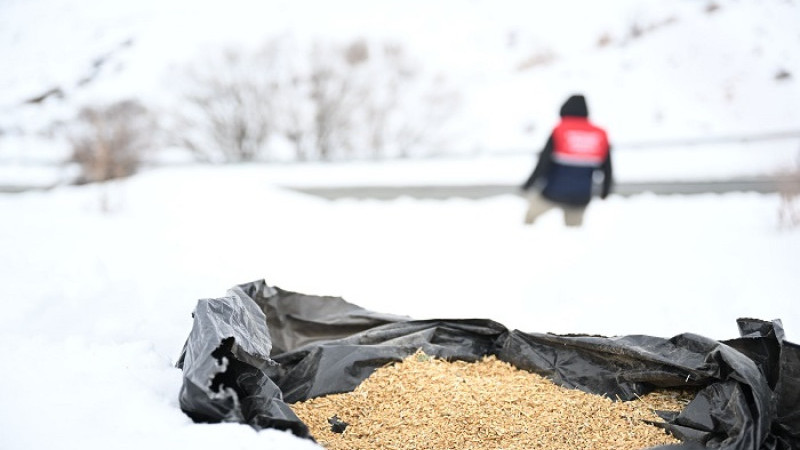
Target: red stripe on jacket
<point x="578" y="142"/>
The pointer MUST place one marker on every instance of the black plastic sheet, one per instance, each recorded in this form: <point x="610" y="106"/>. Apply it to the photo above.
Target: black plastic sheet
<point x="259" y="348"/>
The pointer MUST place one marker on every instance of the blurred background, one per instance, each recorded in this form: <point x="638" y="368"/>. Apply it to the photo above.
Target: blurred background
<point x="296" y="81"/>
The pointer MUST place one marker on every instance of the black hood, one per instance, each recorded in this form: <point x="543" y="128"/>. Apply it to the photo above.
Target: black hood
<point x="575" y="106"/>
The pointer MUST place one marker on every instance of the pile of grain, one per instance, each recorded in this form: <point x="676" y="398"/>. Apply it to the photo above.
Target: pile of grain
<point x="428" y="403"/>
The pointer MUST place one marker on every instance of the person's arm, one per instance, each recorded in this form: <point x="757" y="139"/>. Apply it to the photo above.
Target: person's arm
<point x="542" y="166"/>
<point x="608" y="179"/>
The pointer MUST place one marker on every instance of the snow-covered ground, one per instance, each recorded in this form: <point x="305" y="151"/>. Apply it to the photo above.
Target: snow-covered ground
<point x="96" y="303"/>
<point x="670" y="163"/>
<point x="96" y="306"/>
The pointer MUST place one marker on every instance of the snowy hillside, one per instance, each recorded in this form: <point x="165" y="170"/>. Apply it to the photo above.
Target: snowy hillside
<point x="653" y="71"/>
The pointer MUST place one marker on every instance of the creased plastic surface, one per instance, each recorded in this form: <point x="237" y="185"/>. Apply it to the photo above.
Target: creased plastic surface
<point x="225" y="364"/>
<point x="259" y="348"/>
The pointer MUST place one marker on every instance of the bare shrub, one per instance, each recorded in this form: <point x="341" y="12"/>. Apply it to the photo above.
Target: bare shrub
<point x="284" y="67"/>
<point x="369" y="100"/>
<point x="333" y="96"/>
<point x="292" y="121"/>
<point x="227" y="113"/>
<point x="328" y="100"/>
<point x="109" y="142"/>
<point x="402" y="110"/>
<point x="382" y="86"/>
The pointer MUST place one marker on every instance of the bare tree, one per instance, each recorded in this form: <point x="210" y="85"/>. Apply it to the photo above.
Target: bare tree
<point x="404" y="110"/>
<point x="291" y="99"/>
<point x="332" y="97"/>
<point x="228" y="113"/>
<point x="383" y="97"/>
<point x="327" y="101"/>
<point x="374" y="100"/>
<point x="109" y="142"/>
<point x="293" y="121"/>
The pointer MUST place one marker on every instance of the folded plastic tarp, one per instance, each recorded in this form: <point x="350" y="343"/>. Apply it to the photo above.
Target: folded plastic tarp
<point x="259" y="348"/>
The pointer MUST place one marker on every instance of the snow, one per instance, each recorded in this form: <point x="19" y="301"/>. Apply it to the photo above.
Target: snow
<point x="96" y="305"/>
<point x="665" y="83"/>
<point x="99" y="281"/>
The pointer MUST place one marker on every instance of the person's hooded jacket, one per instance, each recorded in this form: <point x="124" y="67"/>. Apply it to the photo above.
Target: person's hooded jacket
<point x="575" y="150"/>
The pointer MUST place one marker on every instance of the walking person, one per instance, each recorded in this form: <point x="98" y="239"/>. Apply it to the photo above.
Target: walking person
<point x="564" y="176"/>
